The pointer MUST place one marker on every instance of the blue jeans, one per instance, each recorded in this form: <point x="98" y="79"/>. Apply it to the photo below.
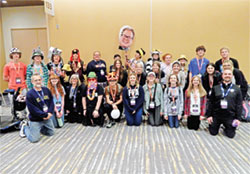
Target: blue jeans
<point x="134" y="119"/>
<point x="54" y="120"/>
<point x="34" y="129"/>
<point x="173" y="121"/>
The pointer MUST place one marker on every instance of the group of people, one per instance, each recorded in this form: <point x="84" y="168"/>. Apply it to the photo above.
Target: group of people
<point x="162" y="90"/>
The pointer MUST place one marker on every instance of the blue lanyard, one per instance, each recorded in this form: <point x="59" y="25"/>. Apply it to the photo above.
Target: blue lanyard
<point x="40" y="96"/>
<point x="224" y="94"/>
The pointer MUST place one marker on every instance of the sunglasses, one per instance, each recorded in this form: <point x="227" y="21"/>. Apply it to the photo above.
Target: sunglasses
<point x="91" y="79"/>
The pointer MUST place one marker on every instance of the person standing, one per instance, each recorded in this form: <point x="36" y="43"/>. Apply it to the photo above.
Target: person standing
<point x="225" y="106"/>
<point x="40" y="104"/>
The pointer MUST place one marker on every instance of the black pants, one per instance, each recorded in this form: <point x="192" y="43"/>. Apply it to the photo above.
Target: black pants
<point x="109" y="109"/>
<point x="74" y="117"/>
<point x="215" y="126"/>
<point x="89" y="120"/>
<point x="193" y="122"/>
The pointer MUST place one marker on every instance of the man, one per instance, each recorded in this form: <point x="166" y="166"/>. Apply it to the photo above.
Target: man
<point x="224" y="52"/>
<point x="130" y="64"/>
<point x="126" y="37"/>
<point x="40" y="104"/>
<point x="198" y="64"/>
<point x="225" y="106"/>
<point x="183" y="61"/>
<point x="37" y="66"/>
<point x="99" y="67"/>
<point x="14" y="72"/>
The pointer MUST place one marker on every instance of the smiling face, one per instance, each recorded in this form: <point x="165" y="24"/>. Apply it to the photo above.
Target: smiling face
<point x="15" y="56"/>
<point x="126" y="38"/>
<point x="173" y="80"/>
<point x="37" y="59"/>
<point x="200" y="53"/>
<point x="168" y="59"/>
<point x="118" y="64"/>
<point x="176" y="68"/>
<point x="97" y="55"/>
<point x="132" y="80"/>
<point x="36" y="80"/>
<point x="155" y="68"/>
<point x="227" y="76"/>
<point x="196" y="81"/>
<point x="227" y="66"/>
<point x="56" y="58"/>
<point x="151" y="78"/>
<point x="54" y="81"/>
<point x="224" y="53"/>
<point x="210" y="69"/>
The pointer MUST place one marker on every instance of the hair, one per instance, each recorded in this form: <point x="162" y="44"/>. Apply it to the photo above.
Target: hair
<point x="58" y="85"/>
<point x="97" y="52"/>
<point x="200" y="48"/>
<point x="11" y="55"/>
<point x="75" y="76"/>
<point x="121" y="69"/>
<point x="159" y="65"/>
<point x="210" y="64"/>
<point x="117" y="55"/>
<point x="52" y="58"/>
<point x="202" y="91"/>
<point x="167" y="54"/>
<point x="35" y="74"/>
<point x="224" y="48"/>
<point x="130" y="29"/>
<point x="177" y="83"/>
<point x="131" y="73"/>
<point x="230" y="62"/>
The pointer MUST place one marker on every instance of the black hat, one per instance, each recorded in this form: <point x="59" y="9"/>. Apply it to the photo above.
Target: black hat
<point x="141" y="52"/>
<point x="75" y="51"/>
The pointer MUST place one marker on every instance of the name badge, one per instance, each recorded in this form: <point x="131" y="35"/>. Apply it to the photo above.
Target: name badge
<point x="18" y="80"/>
<point x="74" y="105"/>
<point x="58" y="105"/>
<point x="45" y="108"/>
<point x="152" y="105"/>
<point x="132" y="102"/>
<point x="199" y="75"/>
<point x="174" y="110"/>
<point x="102" y="72"/>
<point x="223" y="104"/>
<point x="195" y="109"/>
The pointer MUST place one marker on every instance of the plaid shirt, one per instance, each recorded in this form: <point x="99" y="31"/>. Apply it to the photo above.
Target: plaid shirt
<point x="187" y="102"/>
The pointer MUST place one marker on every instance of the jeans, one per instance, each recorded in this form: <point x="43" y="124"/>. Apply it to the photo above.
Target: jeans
<point x="173" y="121"/>
<point x="134" y="119"/>
<point x="34" y="129"/>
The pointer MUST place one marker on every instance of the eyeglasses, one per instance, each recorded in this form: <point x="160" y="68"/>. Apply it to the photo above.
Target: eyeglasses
<point x="127" y="37"/>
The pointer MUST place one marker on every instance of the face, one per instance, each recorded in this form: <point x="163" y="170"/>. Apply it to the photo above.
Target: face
<point x="168" y="59"/>
<point x="75" y="57"/>
<point x="97" y="56"/>
<point x="196" y="81"/>
<point x="155" y="68"/>
<point x="56" y="58"/>
<point x="118" y="65"/>
<point x="74" y="80"/>
<point x="176" y="67"/>
<point x="132" y="79"/>
<point x="224" y="53"/>
<point x="91" y="80"/>
<point x="36" y="81"/>
<point x="38" y="59"/>
<point x="210" y="69"/>
<point x="155" y="56"/>
<point x="182" y="62"/>
<point x="173" y="79"/>
<point x="227" y="76"/>
<point x="112" y="82"/>
<point x="227" y="66"/>
<point x="200" y="53"/>
<point x="54" y="81"/>
<point x="138" y="69"/>
<point x="126" y="39"/>
<point x="151" y="78"/>
<point x="15" y="56"/>
<point x="137" y="55"/>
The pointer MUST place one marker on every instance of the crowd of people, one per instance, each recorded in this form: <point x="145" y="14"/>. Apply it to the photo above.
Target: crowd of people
<point x="160" y="90"/>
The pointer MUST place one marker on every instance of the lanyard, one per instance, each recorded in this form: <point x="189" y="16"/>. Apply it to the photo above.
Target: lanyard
<point x="41" y="96"/>
<point x="199" y="65"/>
<point x="172" y="91"/>
<point x="113" y="94"/>
<point x="13" y="64"/>
<point x="224" y="94"/>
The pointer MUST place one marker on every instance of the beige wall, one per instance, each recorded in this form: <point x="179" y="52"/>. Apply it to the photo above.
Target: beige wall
<point x="19" y="18"/>
<point x="178" y="27"/>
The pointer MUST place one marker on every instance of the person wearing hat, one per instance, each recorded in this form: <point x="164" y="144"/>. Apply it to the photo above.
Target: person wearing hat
<point x="56" y="64"/>
<point x="73" y="100"/>
<point x="37" y="66"/>
<point x="14" y="72"/>
<point x="77" y="65"/>
<point x="92" y="102"/>
<point x="155" y="56"/>
<point x="153" y="104"/>
<point x="98" y="66"/>
<point x="183" y="61"/>
<point x="113" y="94"/>
<point x="133" y="97"/>
<point x="130" y="64"/>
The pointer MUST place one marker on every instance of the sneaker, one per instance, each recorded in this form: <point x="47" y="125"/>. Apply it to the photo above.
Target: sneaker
<point x="22" y="124"/>
<point x="109" y="125"/>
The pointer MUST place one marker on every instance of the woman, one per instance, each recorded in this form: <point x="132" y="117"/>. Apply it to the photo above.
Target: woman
<point x="156" y="67"/>
<point x="173" y="97"/>
<point x="113" y="94"/>
<point x="211" y="78"/>
<point x="141" y="75"/>
<point x="176" y="69"/>
<point x="130" y="64"/>
<point x="77" y="65"/>
<point x="73" y="100"/>
<point x="120" y="72"/>
<point x="133" y="97"/>
<point x="195" y="103"/>
<point x="166" y="66"/>
<point x="92" y="102"/>
<point x="153" y="100"/>
<point x="58" y="94"/>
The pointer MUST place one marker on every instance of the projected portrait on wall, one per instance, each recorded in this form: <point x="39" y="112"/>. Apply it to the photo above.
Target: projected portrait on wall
<point x="126" y="37"/>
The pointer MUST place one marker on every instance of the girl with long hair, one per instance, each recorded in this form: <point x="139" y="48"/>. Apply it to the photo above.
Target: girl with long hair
<point x="121" y="73"/>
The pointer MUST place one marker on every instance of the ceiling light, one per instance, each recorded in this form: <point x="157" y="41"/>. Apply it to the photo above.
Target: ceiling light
<point x="4" y="1"/>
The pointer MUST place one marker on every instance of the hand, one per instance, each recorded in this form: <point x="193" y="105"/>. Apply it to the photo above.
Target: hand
<point x="48" y="117"/>
<point x="114" y="106"/>
<point x="210" y="120"/>
<point x="185" y="116"/>
<point x="58" y="114"/>
<point x="179" y="117"/>
<point x="202" y="117"/>
<point x="237" y="122"/>
<point x="95" y="114"/>
<point x="166" y="117"/>
<point x="133" y="112"/>
<point x="161" y="114"/>
<point x="67" y="111"/>
<point x="84" y="113"/>
<point x="84" y="67"/>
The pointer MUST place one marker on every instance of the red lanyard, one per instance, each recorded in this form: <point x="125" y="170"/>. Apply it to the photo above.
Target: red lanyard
<point x="113" y="94"/>
<point x="211" y="81"/>
<point x="13" y="64"/>
<point x="200" y="65"/>
<point x="173" y="94"/>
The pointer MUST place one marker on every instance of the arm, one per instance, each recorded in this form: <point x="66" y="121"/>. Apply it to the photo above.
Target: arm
<point x="84" y="105"/>
<point x="238" y="105"/>
<point x="28" y="77"/>
<point x="6" y="73"/>
<point x="187" y="105"/>
<point x="203" y="105"/>
<point x="126" y="100"/>
<point x="140" y="99"/>
<point x="119" y="101"/>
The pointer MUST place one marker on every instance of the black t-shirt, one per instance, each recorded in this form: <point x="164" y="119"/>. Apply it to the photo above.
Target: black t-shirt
<point x="92" y="103"/>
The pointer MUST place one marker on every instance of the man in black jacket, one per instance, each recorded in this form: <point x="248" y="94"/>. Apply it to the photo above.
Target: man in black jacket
<point x="225" y="106"/>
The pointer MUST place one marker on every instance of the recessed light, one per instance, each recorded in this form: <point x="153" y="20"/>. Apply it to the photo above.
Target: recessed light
<point x="4" y="1"/>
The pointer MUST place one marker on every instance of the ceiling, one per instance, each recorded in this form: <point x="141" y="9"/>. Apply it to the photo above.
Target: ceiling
<point x="18" y="3"/>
